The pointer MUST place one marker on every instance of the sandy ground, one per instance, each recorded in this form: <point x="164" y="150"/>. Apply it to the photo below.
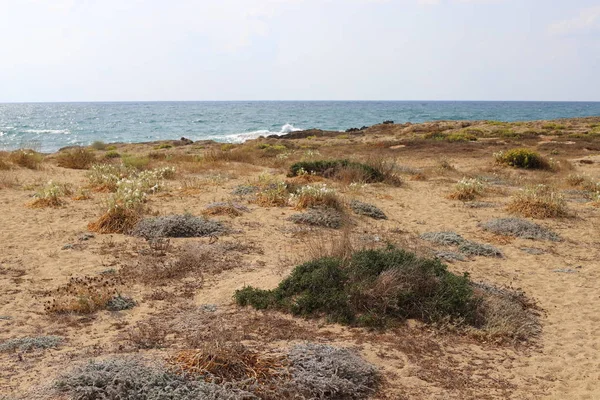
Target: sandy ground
<point x="419" y="362"/>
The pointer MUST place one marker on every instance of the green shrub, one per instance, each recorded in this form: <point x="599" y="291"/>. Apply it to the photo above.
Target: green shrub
<point x="163" y="146"/>
<point x="461" y="137"/>
<point x="522" y="158"/>
<point x="112" y="154"/>
<point x="329" y="168"/>
<point x="136" y="162"/>
<point x="553" y="126"/>
<point x="98" y="145"/>
<point x="373" y="288"/>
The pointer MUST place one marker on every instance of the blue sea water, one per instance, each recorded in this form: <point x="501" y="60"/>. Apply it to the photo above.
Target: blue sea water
<point x="50" y="126"/>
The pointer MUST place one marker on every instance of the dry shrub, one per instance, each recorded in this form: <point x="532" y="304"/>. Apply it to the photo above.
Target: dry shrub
<point x="26" y="158"/>
<point x="507" y="314"/>
<point x="87" y="295"/>
<point x="540" y="201"/>
<point x="320" y="245"/>
<point x="272" y="195"/>
<point x="468" y="189"/>
<point x="311" y="196"/>
<point x="348" y="175"/>
<point x="388" y="168"/>
<point x="192" y="259"/>
<point x="225" y="208"/>
<point x="230" y="362"/>
<point x="77" y="158"/>
<point x="145" y="335"/>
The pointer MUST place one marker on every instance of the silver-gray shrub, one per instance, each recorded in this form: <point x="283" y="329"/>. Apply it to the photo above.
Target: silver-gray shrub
<point x="367" y="209"/>
<point x="320" y="371"/>
<point x="185" y="225"/>
<point x="520" y="228"/>
<point x="30" y="343"/>
<point x="131" y="379"/>
<point x="325" y="217"/>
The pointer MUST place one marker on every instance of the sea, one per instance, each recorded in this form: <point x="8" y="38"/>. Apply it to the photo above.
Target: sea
<point x="48" y="127"/>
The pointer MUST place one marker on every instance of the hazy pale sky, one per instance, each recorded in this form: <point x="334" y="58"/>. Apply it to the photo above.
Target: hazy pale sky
<point x="97" y="50"/>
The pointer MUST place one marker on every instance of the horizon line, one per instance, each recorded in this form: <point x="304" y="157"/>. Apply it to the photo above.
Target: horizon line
<point x="290" y="101"/>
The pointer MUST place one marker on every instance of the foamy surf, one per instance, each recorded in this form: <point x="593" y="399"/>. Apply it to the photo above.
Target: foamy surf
<point x="242" y="137"/>
<point x="49" y="131"/>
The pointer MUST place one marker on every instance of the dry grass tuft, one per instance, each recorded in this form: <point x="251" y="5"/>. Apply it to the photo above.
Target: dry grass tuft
<point x="540" y="201"/>
<point x="230" y="362"/>
<point x="117" y="220"/>
<point x="78" y="158"/>
<point x="26" y="158"/>
<point x="225" y="208"/>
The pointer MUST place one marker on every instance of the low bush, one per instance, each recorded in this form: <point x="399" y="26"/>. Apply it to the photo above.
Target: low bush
<point x="366" y="209"/>
<point x="471" y="248"/>
<point x="136" y="162"/>
<point x="540" y="201"/>
<point x="311" y="196"/>
<point x="322" y="216"/>
<point x="26" y="158"/>
<point x="317" y="369"/>
<point x="329" y="169"/>
<point x="134" y="379"/>
<point x="468" y="189"/>
<point x="443" y="238"/>
<point x="272" y="195"/>
<point x="520" y="228"/>
<point x="506" y="314"/>
<point x="77" y="158"/>
<point x="25" y="344"/>
<point x="181" y="226"/>
<point x="465" y="246"/>
<point x="374" y="288"/>
<point x="98" y="145"/>
<point x="227" y="371"/>
<point x="111" y="154"/>
<point x="522" y="158"/>
<point x="51" y="195"/>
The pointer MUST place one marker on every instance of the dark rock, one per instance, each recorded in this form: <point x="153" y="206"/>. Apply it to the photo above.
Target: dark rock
<point x="388" y="122"/>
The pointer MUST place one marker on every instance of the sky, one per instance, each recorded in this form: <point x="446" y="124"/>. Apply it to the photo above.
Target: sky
<point x="159" y="50"/>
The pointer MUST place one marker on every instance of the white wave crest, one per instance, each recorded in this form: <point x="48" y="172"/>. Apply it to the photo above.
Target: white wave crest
<point x="51" y="131"/>
<point x="242" y="137"/>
